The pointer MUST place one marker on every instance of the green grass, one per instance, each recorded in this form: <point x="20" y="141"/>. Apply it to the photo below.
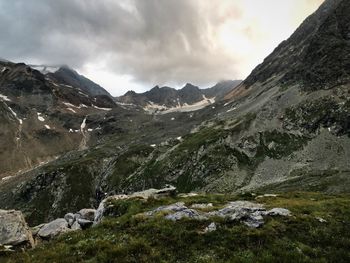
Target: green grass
<point x="124" y="237"/>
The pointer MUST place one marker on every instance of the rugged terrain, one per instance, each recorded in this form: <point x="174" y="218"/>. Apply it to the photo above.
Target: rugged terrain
<point x="284" y="128"/>
<point x="317" y="230"/>
<point x="166" y="100"/>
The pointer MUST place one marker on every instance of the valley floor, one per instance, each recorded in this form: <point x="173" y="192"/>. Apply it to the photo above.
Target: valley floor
<point x="317" y="231"/>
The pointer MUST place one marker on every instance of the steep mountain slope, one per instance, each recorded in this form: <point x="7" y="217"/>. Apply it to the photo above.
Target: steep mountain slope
<point x="189" y="98"/>
<point x="69" y="76"/>
<point x="41" y="118"/>
<point x="315" y="57"/>
<point x="279" y="130"/>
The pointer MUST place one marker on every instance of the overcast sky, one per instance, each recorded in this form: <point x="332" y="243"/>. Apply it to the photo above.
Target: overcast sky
<point x="137" y="44"/>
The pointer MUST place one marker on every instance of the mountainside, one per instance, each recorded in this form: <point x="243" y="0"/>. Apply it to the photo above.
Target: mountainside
<point x="189" y="98"/>
<point x="316" y="56"/>
<point x="70" y="77"/>
<point x="42" y="118"/>
<point x="285" y="128"/>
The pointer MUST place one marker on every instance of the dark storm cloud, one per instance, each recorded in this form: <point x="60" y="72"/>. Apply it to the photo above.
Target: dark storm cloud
<point x="153" y="40"/>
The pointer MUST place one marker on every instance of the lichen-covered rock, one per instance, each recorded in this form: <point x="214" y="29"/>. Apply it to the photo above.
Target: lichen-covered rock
<point x="76" y="226"/>
<point x="186" y="213"/>
<point x="14" y="230"/>
<point x="70" y="218"/>
<point x="211" y="228"/>
<point x="54" y="228"/>
<point x="87" y="214"/>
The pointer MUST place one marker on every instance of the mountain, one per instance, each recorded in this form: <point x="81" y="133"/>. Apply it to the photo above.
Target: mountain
<point x="315" y="57"/>
<point x="41" y="117"/>
<point x="189" y="98"/>
<point x="285" y="128"/>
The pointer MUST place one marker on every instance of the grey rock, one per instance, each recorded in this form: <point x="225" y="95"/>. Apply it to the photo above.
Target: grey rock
<point x="54" y="228"/>
<point x="254" y="220"/>
<point x="14" y="230"/>
<point x="186" y="213"/>
<point x="70" y="218"/>
<point x="211" y="228"/>
<point x="321" y="220"/>
<point x="279" y="212"/>
<point x="84" y="223"/>
<point x="35" y="230"/>
<point x="177" y="207"/>
<point x="88" y="214"/>
<point x="76" y="226"/>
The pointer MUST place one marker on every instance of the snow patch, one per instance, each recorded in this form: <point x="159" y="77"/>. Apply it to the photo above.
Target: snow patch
<point x="162" y="109"/>
<point x="15" y="115"/>
<point x="232" y="109"/>
<point x="105" y="109"/>
<point x="40" y="118"/>
<point x="47" y="127"/>
<point x="71" y="130"/>
<point x="153" y="145"/>
<point x="83" y="125"/>
<point x="5" y="98"/>
<point x="70" y="109"/>
<point x="90" y="130"/>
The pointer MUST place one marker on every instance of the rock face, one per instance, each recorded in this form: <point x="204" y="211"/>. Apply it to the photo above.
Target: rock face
<point x="14" y="230"/>
<point x="317" y="54"/>
<point x="54" y="228"/>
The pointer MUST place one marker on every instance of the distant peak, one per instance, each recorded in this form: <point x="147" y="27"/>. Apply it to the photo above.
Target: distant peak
<point x="190" y="86"/>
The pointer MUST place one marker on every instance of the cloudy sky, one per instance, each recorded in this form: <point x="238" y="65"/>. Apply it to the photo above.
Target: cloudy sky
<point x="136" y="44"/>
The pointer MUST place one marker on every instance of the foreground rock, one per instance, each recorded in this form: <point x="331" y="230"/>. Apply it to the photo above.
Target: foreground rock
<point x="249" y="213"/>
<point x="14" y="230"/>
<point x="150" y="193"/>
<point x="54" y="228"/>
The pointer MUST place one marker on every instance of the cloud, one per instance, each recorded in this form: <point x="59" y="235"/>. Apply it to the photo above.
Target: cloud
<point x="147" y="42"/>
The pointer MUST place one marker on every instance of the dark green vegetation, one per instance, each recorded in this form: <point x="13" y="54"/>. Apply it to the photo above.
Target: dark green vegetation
<point x="125" y="237"/>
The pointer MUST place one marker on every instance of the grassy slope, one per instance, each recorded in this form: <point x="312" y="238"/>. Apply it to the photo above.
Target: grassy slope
<point x="300" y="238"/>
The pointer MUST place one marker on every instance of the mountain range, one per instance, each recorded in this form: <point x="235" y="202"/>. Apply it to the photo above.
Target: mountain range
<point x="284" y="128"/>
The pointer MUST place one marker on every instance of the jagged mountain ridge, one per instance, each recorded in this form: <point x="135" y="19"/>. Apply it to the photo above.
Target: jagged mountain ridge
<point x="317" y="54"/>
<point x="165" y="99"/>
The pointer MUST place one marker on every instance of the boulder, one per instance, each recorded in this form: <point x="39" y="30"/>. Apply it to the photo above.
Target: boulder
<point x="14" y="230"/>
<point x="186" y="213"/>
<point x="76" y="226"/>
<point x="35" y="230"/>
<point x="70" y="218"/>
<point x="54" y="228"/>
<point x="211" y="228"/>
<point x="177" y="207"/>
<point x="87" y="214"/>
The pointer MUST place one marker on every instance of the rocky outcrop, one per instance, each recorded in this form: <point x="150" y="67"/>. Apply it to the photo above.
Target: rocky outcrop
<point x="150" y="193"/>
<point x="249" y="213"/>
<point x="54" y="228"/>
<point x="14" y="230"/>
